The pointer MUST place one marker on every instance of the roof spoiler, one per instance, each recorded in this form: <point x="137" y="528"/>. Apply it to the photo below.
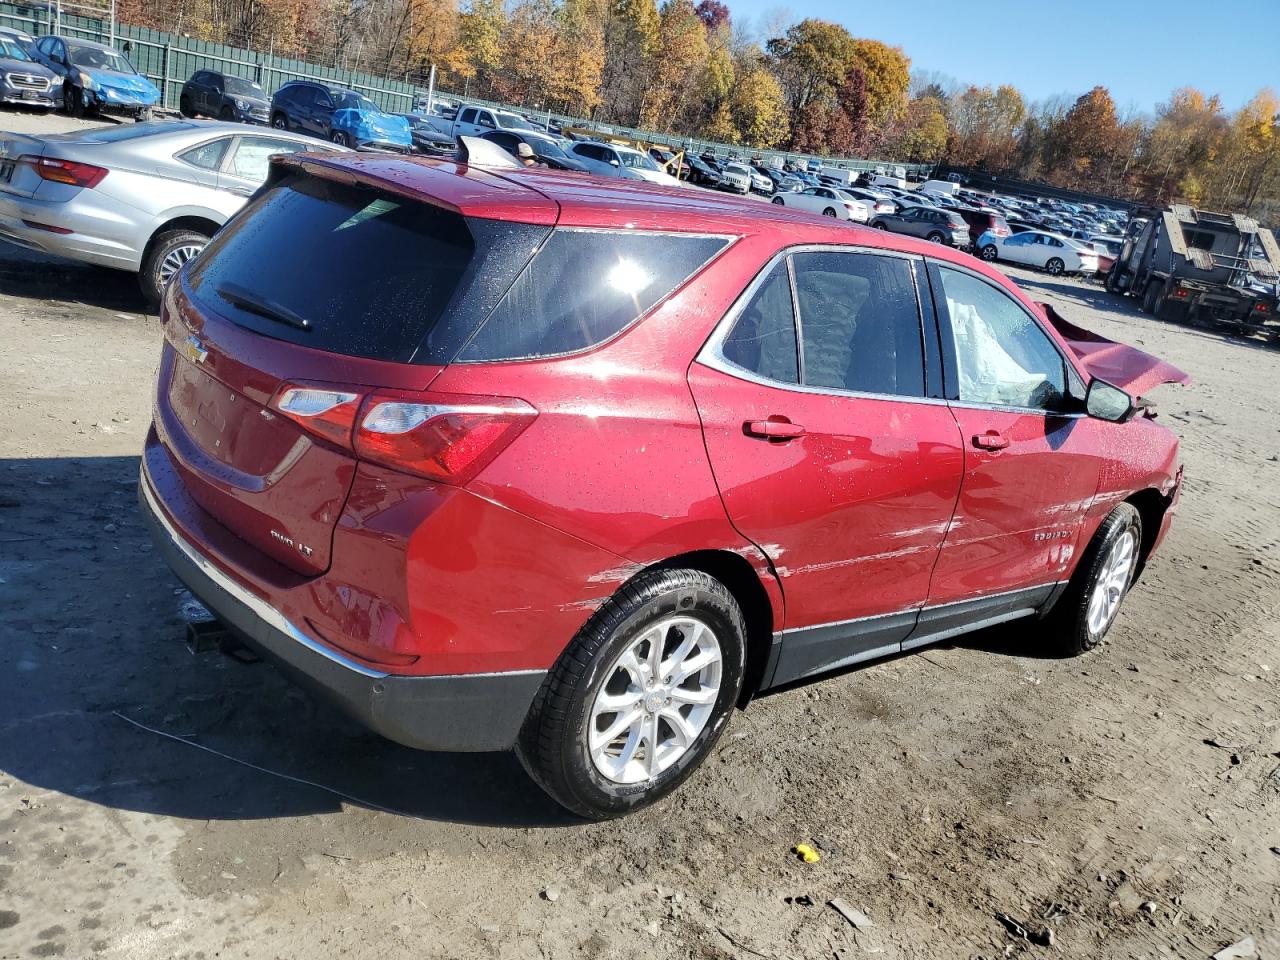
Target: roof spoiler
<point x="475" y="151"/>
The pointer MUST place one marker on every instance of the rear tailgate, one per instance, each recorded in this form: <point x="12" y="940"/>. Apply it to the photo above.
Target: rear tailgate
<point x="325" y="286"/>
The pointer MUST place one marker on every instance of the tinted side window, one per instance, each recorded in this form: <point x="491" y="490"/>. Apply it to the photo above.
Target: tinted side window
<point x="1003" y="357"/>
<point x="763" y="338"/>
<point x="208" y="156"/>
<point x="859" y="323"/>
<point x="467" y="115"/>
<point x="582" y="288"/>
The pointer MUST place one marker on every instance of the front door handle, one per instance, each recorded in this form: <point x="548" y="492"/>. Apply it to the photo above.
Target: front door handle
<point x="991" y="440"/>
<point x="775" y="427"/>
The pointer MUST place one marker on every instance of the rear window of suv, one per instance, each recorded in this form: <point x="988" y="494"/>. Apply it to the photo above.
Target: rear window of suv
<point x="337" y="268"/>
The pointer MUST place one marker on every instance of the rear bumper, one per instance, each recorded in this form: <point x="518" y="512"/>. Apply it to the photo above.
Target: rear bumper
<point x="98" y="229"/>
<point x="467" y="712"/>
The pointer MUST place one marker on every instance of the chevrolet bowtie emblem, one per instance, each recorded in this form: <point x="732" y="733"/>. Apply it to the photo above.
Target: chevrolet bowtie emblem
<point x="194" y="350"/>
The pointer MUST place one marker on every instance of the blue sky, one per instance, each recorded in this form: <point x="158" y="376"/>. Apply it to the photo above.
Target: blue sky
<point x="1048" y="47"/>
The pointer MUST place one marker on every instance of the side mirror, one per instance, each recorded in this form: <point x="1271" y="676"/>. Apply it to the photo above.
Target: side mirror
<point x="613" y="163"/>
<point x="1105" y="401"/>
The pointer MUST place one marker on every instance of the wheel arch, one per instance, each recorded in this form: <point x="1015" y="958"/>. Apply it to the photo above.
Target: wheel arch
<point x="741" y="580"/>
<point x="198" y="222"/>
<point x="1151" y="505"/>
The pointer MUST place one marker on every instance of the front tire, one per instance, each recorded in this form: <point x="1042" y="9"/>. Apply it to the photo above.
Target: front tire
<point x="165" y="257"/>
<point x="184" y="106"/>
<point x="1055" y="267"/>
<point x="640" y="696"/>
<point x="1087" y="610"/>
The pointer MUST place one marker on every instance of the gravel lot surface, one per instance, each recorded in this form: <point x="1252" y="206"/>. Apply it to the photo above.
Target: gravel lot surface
<point x="1128" y="802"/>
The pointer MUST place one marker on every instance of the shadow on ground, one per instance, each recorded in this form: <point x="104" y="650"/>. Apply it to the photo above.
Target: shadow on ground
<point x="29" y="275"/>
<point x="92" y="624"/>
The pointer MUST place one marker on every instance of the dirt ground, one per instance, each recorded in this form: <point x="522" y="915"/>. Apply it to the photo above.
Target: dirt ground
<point x="1127" y="801"/>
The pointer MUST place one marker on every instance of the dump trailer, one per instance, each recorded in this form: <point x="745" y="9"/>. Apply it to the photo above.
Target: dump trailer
<point x="1199" y="266"/>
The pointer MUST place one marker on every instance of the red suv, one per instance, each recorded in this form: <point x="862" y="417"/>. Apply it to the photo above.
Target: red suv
<point x="502" y="459"/>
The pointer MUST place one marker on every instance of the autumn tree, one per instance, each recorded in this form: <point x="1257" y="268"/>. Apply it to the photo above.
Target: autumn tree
<point x="631" y="42"/>
<point x="682" y="59"/>
<point x="811" y="60"/>
<point x="480" y="30"/>
<point x="886" y="75"/>
<point x="759" y="108"/>
<point x="923" y="136"/>
<point x="1086" y="139"/>
<point x="984" y="127"/>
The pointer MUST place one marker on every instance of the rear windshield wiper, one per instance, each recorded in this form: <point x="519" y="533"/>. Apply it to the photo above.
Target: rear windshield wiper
<point x="238" y="296"/>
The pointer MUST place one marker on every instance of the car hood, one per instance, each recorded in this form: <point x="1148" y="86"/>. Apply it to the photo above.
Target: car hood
<point x="364" y="125"/>
<point x="128" y="85"/>
<point x="9" y="65"/>
<point x="1132" y="370"/>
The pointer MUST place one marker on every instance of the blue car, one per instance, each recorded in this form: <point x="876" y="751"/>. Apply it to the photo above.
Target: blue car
<point x="96" y="78"/>
<point x="341" y="116"/>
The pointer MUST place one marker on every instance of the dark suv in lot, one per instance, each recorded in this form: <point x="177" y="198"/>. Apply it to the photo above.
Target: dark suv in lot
<point x="532" y="459"/>
<point x="344" y="117"/>
<point x="221" y="95"/>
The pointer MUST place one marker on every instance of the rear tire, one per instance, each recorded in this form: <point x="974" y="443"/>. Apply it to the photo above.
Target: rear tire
<point x="184" y="106"/>
<point x="936" y="237"/>
<point x="1151" y="296"/>
<point x="990" y="253"/>
<point x="1087" y="610"/>
<point x="880" y="225"/>
<point x="227" y="114"/>
<point x="165" y="255"/>
<point x="340" y="138"/>
<point x="828" y="212"/>
<point x="608" y="662"/>
<point x="279" y="122"/>
<point x="779" y="201"/>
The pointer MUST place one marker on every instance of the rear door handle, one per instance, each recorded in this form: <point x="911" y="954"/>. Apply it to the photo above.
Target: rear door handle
<point x="774" y="428"/>
<point x="991" y="440"/>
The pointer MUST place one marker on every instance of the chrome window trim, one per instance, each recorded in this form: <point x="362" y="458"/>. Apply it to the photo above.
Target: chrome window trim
<point x="712" y="353"/>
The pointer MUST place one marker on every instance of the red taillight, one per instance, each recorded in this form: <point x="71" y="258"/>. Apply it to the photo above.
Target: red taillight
<point x="328" y="412"/>
<point x="66" y="171"/>
<point x="1260" y="307"/>
<point x="50" y="228"/>
<point x="1180" y="294"/>
<point x="444" y="437"/>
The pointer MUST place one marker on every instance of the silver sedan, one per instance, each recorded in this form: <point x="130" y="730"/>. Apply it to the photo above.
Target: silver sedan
<point x="141" y="197"/>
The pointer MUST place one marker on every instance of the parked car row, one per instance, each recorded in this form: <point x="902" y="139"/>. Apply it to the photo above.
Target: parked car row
<point x="80" y="76"/>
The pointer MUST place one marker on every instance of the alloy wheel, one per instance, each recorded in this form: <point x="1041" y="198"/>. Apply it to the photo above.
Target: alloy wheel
<point x="175" y="258"/>
<point x="657" y="698"/>
<point x="1113" y="580"/>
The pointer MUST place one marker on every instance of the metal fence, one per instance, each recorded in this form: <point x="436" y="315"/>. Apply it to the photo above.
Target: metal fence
<point x="168" y="59"/>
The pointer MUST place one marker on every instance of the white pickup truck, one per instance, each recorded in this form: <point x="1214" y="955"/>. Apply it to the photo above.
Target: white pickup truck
<point x="477" y="121"/>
